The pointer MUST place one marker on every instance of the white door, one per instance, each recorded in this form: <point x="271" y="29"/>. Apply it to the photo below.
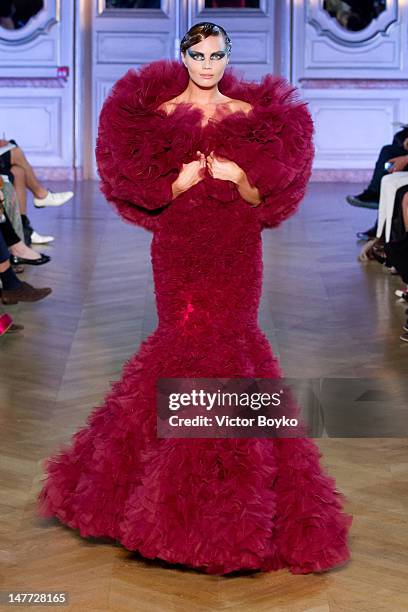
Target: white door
<point x="36" y="92"/>
<point x="124" y="38"/>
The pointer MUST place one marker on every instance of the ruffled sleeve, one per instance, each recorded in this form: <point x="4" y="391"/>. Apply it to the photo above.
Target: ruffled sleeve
<point x="277" y="149"/>
<point x="134" y="154"/>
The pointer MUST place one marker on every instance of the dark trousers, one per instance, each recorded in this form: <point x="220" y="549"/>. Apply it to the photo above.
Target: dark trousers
<point x="5" y="163"/>
<point x="386" y="153"/>
<point x="397" y="249"/>
<point x="4" y="252"/>
<point x="7" y="232"/>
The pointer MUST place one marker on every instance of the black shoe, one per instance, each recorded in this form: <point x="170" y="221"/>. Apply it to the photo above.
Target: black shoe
<point x="24" y="293"/>
<point x="16" y="261"/>
<point x="366" y="199"/>
<point x="368" y="234"/>
<point x="367" y="196"/>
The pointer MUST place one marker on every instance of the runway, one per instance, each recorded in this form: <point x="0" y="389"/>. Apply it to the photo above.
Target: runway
<point x="325" y="314"/>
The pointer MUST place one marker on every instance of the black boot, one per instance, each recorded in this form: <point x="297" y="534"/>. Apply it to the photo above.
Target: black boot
<point x="368" y="234"/>
<point x="28" y="230"/>
<point x="366" y="199"/>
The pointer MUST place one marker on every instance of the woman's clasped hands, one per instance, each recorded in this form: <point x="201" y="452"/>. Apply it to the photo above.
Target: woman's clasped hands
<point x="217" y="167"/>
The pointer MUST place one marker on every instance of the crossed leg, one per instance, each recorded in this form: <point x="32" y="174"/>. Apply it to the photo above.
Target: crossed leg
<point x="25" y="178"/>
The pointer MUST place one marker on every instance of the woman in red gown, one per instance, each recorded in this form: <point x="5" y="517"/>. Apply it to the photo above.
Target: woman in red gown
<point x="205" y="164"/>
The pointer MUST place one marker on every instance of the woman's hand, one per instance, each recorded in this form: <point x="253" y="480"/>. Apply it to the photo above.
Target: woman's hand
<point x="399" y="163"/>
<point x="224" y="169"/>
<point x="227" y="170"/>
<point x="190" y="175"/>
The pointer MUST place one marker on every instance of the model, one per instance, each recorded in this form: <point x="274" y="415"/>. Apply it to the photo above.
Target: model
<point x="205" y="161"/>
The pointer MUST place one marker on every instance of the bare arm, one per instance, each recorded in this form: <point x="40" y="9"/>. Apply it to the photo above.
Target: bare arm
<point x="176" y="189"/>
<point x="247" y="191"/>
<point x="190" y="175"/>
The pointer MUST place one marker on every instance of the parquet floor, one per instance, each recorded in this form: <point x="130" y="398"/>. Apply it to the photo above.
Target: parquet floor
<point x="325" y="315"/>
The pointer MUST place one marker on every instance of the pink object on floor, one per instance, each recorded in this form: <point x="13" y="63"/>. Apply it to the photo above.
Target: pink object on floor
<point x="5" y="323"/>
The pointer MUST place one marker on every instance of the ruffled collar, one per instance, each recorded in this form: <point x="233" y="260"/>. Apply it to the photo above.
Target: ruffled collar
<point x="163" y="80"/>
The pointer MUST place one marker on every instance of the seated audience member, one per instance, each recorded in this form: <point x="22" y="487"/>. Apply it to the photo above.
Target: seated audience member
<point x="396" y="249"/>
<point x="12" y="289"/>
<point x="11" y="205"/>
<point x="20" y="252"/>
<point x="15" y="165"/>
<point x="393" y="253"/>
<point x="392" y="216"/>
<point x="388" y="195"/>
<point x="399" y="226"/>
<point x="6" y="15"/>
<point x="397" y="153"/>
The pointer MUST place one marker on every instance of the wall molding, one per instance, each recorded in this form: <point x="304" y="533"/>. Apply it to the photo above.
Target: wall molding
<point x="39" y="25"/>
<point x="33" y="82"/>
<point x="328" y="27"/>
<point x="59" y="173"/>
<point x="341" y="176"/>
<point x="318" y="175"/>
<point x="353" y="83"/>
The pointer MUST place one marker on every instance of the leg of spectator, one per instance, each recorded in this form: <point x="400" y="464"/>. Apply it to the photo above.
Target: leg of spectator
<point x="11" y="205"/>
<point x="8" y="279"/>
<point x="386" y="153"/>
<point x="405" y="211"/>
<point x="42" y="196"/>
<point x="20" y="187"/>
<point x="381" y="208"/>
<point x="16" y="246"/>
<point x="32" y="183"/>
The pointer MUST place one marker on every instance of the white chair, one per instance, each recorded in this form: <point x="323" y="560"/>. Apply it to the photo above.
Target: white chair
<point x="389" y="187"/>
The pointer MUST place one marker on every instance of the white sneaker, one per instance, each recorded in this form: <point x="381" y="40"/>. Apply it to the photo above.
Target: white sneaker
<point x="38" y="239"/>
<point x="53" y="199"/>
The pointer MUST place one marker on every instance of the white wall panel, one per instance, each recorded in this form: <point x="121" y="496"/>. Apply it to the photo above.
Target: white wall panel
<point x="351" y="127"/>
<point x="43" y="138"/>
<point x="324" y="49"/>
<point x="36" y="106"/>
<point x="131" y="47"/>
<point x="38" y="52"/>
<point x="356" y="83"/>
<point x="323" y="53"/>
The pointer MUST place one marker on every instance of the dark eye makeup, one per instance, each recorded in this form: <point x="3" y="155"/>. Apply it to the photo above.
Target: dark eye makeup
<point x="196" y="55"/>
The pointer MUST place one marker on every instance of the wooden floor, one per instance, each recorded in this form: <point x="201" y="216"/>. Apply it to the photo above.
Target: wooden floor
<point x="325" y="315"/>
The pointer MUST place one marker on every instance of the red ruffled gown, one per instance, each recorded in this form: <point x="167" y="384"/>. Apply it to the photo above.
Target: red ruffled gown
<point x="218" y="505"/>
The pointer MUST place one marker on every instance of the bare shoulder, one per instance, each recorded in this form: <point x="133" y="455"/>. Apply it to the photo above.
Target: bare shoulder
<point x="169" y="105"/>
<point x="238" y="105"/>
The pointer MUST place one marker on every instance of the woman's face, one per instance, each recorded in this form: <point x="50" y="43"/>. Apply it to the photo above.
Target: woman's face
<point x="206" y="61"/>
